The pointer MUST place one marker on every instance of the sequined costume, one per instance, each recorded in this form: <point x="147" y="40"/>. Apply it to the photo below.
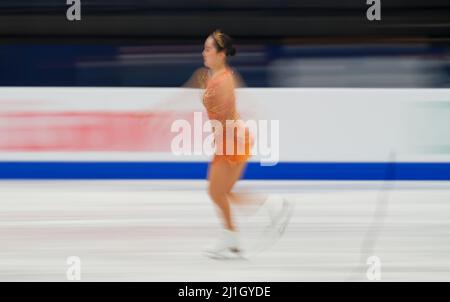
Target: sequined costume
<point x="220" y="103"/>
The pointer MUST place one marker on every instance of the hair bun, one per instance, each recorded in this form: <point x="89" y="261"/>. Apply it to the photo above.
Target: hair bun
<point x="223" y="42"/>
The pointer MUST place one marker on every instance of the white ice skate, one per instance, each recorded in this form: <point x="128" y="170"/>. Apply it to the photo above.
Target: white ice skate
<point x="280" y="221"/>
<point x="280" y="211"/>
<point x="226" y="247"/>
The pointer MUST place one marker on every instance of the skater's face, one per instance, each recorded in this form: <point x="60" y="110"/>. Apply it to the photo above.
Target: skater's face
<point x="211" y="57"/>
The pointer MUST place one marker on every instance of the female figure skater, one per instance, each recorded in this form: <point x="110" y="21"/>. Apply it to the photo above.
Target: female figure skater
<point x="225" y="169"/>
<point x="219" y="81"/>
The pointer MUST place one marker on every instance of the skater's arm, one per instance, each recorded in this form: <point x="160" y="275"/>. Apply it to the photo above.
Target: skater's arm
<point x="238" y="80"/>
<point x="198" y="79"/>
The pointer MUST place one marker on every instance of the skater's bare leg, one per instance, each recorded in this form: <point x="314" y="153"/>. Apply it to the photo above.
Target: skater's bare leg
<point x="248" y="202"/>
<point x="242" y="199"/>
<point x="222" y="176"/>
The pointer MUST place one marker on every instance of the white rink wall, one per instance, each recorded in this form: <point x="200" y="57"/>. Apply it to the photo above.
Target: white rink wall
<point x="325" y="124"/>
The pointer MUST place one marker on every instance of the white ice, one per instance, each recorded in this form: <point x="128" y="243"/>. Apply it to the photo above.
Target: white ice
<point x="155" y="231"/>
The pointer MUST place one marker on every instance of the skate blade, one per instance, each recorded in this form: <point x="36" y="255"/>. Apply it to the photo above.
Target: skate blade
<point x="225" y="255"/>
<point x="283" y="223"/>
<point x="275" y="231"/>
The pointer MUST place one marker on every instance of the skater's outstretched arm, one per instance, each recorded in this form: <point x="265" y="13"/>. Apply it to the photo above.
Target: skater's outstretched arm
<point x="238" y="80"/>
<point x="198" y="79"/>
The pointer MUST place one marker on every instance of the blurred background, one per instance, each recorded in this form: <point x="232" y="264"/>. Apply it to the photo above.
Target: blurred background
<point x="280" y="43"/>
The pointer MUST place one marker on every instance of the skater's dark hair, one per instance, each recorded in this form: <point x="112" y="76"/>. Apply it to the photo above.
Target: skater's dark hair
<point x="223" y="42"/>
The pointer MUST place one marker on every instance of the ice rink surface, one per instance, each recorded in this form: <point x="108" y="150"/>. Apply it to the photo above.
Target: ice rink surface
<point x="155" y="231"/>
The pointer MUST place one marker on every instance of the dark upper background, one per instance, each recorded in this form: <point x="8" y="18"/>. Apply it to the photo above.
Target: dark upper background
<point x="287" y="43"/>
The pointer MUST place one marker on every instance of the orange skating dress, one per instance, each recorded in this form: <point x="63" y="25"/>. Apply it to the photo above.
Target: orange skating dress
<point x="220" y="103"/>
